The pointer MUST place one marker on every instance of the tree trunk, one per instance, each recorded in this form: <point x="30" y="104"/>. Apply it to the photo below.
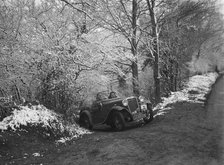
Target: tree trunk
<point x="134" y="65"/>
<point x="135" y="83"/>
<point x="176" y="75"/>
<point x="18" y="94"/>
<point x="156" y="72"/>
<point x="155" y="37"/>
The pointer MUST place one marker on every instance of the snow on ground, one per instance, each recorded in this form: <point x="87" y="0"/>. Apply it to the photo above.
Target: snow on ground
<point x="24" y="116"/>
<point x="194" y="91"/>
<point x="41" y="116"/>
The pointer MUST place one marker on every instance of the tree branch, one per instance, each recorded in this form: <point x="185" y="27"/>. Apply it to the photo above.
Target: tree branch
<point x="125" y="11"/>
<point x="80" y="10"/>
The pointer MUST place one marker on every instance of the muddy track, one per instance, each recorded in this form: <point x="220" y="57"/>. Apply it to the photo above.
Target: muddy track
<point x="189" y="133"/>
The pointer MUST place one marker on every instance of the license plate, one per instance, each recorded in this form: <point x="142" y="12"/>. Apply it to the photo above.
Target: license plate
<point x="143" y="107"/>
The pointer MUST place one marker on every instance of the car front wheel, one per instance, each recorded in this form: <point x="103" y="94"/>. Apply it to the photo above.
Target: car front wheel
<point x="118" y="121"/>
<point x="85" y="122"/>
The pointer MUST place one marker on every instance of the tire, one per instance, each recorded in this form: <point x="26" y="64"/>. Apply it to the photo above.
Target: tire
<point x="85" y="122"/>
<point x="118" y="122"/>
<point x="149" y="117"/>
<point x="112" y="125"/>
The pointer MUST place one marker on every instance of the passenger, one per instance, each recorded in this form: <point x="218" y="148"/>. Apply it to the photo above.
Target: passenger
<point x="112" y="95"/>
<point x="99" y="97"/>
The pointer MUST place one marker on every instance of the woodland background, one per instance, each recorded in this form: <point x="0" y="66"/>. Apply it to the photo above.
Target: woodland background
<point x="62" y="52"/>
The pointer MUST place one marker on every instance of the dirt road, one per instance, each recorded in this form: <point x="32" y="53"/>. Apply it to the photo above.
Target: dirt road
<point x="215" y="115"/>
<point x="187" y="134"/>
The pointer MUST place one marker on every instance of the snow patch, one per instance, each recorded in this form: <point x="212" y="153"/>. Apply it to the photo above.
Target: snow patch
<point x="36" y="154"/>
<point x="41" y="116"/>
<point x="24" y="116"/>
<point x="194" y="91"/>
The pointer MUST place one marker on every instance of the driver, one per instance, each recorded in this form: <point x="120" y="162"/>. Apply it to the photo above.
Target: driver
<point x="112" y="95"/>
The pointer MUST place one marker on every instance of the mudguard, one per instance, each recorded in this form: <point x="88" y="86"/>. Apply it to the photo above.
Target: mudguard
<point x="118" y="108"/>
<point x="85" y="112"/>
<point x="115" y="108"/>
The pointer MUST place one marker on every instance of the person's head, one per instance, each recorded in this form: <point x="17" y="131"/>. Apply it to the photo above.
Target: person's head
<point x="99" y="96"/>
<point x="112" y="94"/>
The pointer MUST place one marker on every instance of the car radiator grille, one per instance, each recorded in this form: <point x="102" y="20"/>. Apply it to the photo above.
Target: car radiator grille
<point x="133" y="104"/>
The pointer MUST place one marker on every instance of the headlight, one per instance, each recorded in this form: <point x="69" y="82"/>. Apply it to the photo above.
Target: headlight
<point x="141" y="98"/>
<point x="125" y="102"/>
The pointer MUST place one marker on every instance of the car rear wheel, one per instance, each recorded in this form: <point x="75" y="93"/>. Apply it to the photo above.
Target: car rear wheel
<point x="149" y="117"/>
<point x="85" y="122"/>
<point x="118" y="123"/>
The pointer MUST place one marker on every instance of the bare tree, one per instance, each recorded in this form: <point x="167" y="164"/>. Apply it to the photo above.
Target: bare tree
<point x="121" y="17"/>
<point x="155" y="43"/>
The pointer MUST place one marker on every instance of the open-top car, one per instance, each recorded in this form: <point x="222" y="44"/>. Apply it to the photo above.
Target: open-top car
<point x="115" y="111"/>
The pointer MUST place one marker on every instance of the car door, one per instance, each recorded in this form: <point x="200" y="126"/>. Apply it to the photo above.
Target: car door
<point x="97" y="112"/>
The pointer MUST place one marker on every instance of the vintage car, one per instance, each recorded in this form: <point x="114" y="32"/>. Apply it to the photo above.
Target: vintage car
<point x="115" y="111"/>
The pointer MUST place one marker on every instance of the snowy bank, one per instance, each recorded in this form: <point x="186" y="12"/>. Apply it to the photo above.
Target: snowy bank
<point x="40" y="116"/>
<point x="194" y="90"/>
